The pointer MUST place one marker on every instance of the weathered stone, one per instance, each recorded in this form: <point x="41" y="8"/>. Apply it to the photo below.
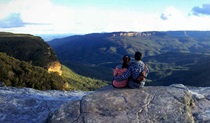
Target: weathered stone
<point x="25" y="105"/>
<point x="68" y="113"/>
<point x="146" y="105"/>
<point x="168" y="104"/>
<point x="201" y="104"/>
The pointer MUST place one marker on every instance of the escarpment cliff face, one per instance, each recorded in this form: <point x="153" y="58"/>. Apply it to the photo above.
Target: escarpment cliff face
<point x="28" y="48"/>
<point x="131" y="34"/>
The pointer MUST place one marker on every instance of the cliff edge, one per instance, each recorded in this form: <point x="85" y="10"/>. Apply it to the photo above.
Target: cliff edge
<point x="151" y="104"/>
<point x="177" y="104"/>
<point x="28" y="48"/>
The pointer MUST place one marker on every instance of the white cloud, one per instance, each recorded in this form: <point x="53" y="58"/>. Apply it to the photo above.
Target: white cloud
<point x="13" y="20"/>
<point x="205" y="9"/>
<point x="42" y="16"/>
<point x="175" y="19"/>
<point x="37" y="12"/>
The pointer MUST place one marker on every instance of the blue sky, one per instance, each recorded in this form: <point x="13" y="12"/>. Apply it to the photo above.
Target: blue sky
<point x="90" y="16"/>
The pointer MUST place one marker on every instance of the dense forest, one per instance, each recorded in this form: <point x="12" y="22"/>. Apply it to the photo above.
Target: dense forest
<point x="176" y="67"/>
<point x="22" y="74"/>
<point x="18" y="73"/>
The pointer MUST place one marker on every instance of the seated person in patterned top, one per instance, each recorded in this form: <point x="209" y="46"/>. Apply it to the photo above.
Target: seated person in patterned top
<point x="119" y="70"/>
<point x="134" y="71"/>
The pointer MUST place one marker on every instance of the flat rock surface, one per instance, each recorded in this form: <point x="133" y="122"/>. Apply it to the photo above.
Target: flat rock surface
<point x="151" y="104"/>
<point x="145" y="105"/>
<point x="25" y="105"/>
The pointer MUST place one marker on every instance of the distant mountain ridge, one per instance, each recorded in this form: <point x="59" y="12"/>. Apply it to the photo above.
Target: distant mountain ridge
<point x="101" y="52"/>
<point x="49" y="37"/>
<point x="95" y="45"/>
<point x="193" y="34"/>
<point x="116" y="44"/>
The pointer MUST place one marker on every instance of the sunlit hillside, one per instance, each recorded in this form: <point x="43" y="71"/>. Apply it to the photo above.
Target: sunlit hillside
<point x="78" y="82"/>
<point x="18" y="73"/>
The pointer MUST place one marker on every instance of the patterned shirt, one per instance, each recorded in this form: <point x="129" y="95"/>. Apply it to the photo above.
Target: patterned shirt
<point x="133" y="70"/>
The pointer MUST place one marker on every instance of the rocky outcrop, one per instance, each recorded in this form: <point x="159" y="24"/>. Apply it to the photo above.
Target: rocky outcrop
<point x="160" y="104"/>
<point x="146" y="105"/>
<point x="55" y="67"/>
<point x="174" y="104"/>
<point x="26" y="105"/>
<point x="131" y="34"/>
<point x="201" y="104"/>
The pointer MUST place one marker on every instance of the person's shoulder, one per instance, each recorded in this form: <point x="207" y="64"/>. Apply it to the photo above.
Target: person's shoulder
<point x="132" y="64"/>
<point x="138" y="64"/>
<point x="141" y="62"/>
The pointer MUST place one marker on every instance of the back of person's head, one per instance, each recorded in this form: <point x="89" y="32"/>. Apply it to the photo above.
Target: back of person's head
<point x="126" y="60"/>
<point x="138" y="56"/>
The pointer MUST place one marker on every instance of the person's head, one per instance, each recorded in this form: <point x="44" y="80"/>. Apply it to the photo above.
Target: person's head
<point x="126" y="59"/>
<point x="138" y="56"/>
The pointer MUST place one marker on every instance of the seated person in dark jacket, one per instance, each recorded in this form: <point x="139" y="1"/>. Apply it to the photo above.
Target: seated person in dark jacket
<point x="134" y="71"/>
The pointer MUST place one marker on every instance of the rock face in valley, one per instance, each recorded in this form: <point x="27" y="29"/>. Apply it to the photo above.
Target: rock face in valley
<point x="131" y="34"/>
<point x="55" y="67"/>
<point x="160" y="104"/>
<point x="18" y="73"/>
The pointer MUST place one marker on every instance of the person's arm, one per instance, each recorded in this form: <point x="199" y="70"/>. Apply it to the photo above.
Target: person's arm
<point x="123" y="76"/>
<point x="115" y="71"/>
<point x="147" y="71"/>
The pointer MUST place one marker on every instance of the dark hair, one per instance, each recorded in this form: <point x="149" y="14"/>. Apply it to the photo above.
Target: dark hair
<point x="138" y="56"/>
<point x="126" y="59"/>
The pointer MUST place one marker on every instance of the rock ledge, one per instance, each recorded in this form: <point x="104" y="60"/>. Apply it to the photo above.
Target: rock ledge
<point x="146" y="105"/>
